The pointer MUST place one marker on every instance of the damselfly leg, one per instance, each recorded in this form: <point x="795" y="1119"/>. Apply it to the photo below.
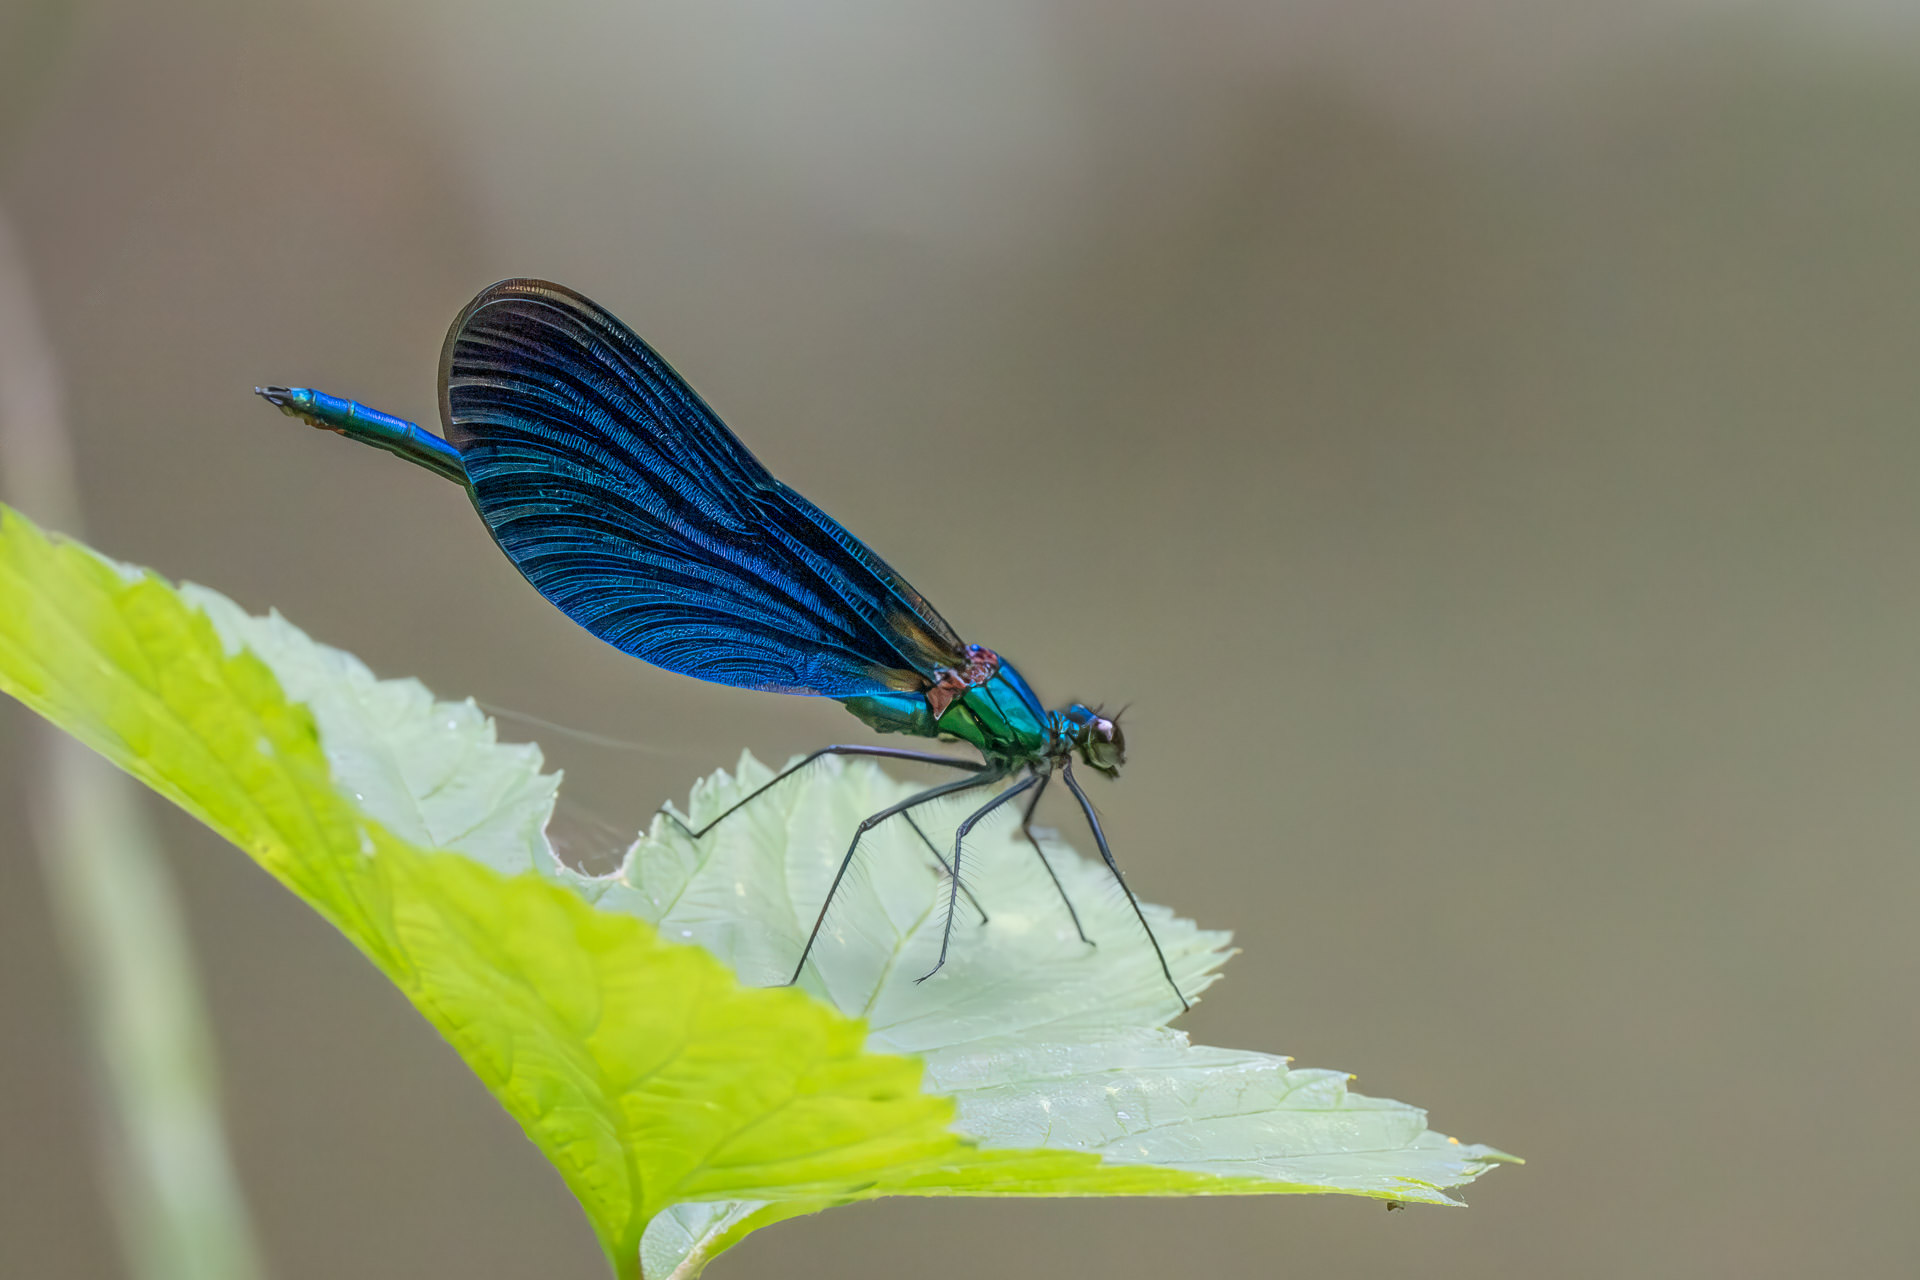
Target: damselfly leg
<point x="1026" y="829"/>
<point x="1100" y="839"/>
<point x="882" y="753"/>
<point x="986" y="777"/>
<point x="959" y="839"/>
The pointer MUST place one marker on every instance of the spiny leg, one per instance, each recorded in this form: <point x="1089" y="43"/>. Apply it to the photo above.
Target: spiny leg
<point x="985" y="778"/>
<point x="945" y="866"/>
<point x="884" y="753"/>
<point x="1026" y="829"/>
<point x="1100" y="838"/>
<point x="959" y="837"/>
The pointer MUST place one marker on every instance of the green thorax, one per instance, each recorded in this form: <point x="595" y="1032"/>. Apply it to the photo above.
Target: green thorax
<point x="1000" y="715"/>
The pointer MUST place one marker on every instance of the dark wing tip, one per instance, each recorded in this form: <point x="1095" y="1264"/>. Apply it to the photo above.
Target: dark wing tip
<point x="512" y="289"/>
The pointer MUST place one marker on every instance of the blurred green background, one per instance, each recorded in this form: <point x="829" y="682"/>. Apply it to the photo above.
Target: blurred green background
<point x="1478" y="438"/>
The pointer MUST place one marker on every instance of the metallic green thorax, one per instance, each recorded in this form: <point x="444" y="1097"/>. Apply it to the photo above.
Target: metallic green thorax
<point x="1000" y="716"/>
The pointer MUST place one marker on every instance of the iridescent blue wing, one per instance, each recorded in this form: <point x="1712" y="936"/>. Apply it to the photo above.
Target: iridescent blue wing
<point x="626" y="501"/>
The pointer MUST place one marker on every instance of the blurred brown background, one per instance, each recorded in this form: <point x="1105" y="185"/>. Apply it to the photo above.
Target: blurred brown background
<point x="1478" y="438"/>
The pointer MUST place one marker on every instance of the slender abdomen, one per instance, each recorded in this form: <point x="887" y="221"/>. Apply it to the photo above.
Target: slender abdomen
<point x="369" y="426"/>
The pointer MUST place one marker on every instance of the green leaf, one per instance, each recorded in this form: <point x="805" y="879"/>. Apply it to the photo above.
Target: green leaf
<point x="625" y="1021"/>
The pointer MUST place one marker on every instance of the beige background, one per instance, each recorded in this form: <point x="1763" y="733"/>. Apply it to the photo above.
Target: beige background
<point x="1479" y="439"/>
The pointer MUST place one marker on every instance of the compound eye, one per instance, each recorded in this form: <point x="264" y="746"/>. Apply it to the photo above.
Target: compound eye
<point x="1105" y="748"/>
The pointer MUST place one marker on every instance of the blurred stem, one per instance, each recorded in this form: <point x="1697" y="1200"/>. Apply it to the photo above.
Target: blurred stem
<point x="170" y="1181"/>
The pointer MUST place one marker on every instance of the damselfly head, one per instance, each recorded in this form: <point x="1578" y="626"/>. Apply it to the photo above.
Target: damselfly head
<point x="1098" y="739"/>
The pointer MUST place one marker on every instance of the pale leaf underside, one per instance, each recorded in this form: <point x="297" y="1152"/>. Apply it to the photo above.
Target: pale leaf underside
<point x="684" y="1106"/>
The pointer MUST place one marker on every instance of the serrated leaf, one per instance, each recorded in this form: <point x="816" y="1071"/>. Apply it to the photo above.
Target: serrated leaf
<point x="430" y="771"/>
<point x="683" y="1106"/>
